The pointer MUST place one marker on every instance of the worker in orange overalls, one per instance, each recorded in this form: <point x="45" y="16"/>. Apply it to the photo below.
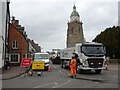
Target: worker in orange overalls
<point x="73" y="67"/>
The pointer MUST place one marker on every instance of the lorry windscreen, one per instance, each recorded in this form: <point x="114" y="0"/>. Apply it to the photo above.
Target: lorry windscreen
<point x="93" y="49"/>
<point x="41" y="56"/>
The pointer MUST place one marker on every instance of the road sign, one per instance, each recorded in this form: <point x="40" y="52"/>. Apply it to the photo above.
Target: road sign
<point x="26" y="62"/>
<point x="38" y="65"/>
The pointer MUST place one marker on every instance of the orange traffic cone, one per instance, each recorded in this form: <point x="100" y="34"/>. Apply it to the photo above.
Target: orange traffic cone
<point x="49" y="69"/>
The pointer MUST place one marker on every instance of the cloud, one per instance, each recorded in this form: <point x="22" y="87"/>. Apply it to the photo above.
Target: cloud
<point x="46" y="22"/>
<point x="100" y="16"/>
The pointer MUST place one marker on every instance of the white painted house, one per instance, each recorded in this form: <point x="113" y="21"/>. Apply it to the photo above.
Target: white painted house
<point x="31" y="47"/>
<point x="4" y="22"/>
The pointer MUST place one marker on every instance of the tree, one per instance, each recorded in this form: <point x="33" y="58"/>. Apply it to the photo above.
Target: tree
<point x="110" y="38"/>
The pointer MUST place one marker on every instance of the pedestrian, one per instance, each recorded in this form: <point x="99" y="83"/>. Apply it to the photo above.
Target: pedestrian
<point x="7" y="65"/>
<point x="73" y="67"/>
<point x="107" y="63"/>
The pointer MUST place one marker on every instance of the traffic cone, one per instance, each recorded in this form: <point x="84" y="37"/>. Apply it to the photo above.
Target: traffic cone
<point x="49" y="69"/>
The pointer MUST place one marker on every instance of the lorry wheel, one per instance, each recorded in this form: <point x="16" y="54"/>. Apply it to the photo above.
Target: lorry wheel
<point x="46" y="68"/>
<point x="64" y="67"/>
<point x="61" y="65"/>
<point x="98" y="71"/>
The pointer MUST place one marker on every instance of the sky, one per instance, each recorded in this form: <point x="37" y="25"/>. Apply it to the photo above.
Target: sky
<point x="45" y="21"/>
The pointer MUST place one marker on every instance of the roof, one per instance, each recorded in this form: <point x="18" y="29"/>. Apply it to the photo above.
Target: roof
<point x="89" y="43"/>
<point x="41" y="53"/>
<point x="35" y="46"/>
<point x="92" y="43"/>
<point x="74" y="13"/>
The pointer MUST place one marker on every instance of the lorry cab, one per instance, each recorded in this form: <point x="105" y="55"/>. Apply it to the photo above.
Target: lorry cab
<point x="92" y="56"/>
<point x="42" y="57"/>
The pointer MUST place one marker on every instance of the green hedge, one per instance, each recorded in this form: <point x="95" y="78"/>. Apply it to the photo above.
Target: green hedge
<point x="114" y="60"/>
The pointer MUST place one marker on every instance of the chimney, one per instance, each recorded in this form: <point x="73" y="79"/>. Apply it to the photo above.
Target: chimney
<point x="13" y="21"/>
<point x="22" y="29"/>
<point x="32" y="41"/>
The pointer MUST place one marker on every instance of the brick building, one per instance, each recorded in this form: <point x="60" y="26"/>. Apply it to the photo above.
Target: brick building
<point x="17" y="42"/>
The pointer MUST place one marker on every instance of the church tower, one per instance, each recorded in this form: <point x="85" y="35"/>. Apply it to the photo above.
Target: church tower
<point x="75" y="30"/>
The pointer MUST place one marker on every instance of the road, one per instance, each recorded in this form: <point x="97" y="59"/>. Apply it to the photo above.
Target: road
<point x="59" y="78"/>
<point x="0" y="81"/>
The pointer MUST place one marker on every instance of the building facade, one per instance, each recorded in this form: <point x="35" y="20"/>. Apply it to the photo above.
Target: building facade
<point x="4" y="25"/>
<point x="33" y="48"/>
<point x="17" y="42"/>
<point x="75" y="29"/>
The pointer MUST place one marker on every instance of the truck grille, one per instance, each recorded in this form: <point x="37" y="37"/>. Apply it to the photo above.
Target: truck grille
<point x="95" y="62"/>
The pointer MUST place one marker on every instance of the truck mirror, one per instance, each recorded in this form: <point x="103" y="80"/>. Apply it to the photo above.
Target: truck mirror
<point x="104" y="49"/>
<point x="81" y="49"/>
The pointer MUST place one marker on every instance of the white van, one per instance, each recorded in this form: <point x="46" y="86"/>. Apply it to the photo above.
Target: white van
<point x="43" y="57"/>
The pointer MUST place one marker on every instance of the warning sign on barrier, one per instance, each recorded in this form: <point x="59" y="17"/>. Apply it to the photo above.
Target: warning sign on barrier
<point x="38" y="65"/>
<point x="26" y="62"/>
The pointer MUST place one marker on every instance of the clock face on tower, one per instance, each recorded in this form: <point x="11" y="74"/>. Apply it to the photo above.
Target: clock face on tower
<point x="74" y="18"/>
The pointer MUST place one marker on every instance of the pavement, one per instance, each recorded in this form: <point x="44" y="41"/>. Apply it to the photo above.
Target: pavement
<point x="16" y="71"/>
<point x="13" y="72"/>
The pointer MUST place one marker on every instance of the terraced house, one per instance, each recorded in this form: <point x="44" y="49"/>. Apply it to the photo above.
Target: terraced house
<point x="17" y="42"/>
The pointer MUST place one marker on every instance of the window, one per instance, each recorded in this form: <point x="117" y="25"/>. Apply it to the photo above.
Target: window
<point x="15" y="45"/>
<point x="14" y="58"/>
<point x="41" y="56"/>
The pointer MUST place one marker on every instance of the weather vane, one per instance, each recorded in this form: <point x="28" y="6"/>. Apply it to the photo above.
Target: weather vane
<point x="74" y="3"/>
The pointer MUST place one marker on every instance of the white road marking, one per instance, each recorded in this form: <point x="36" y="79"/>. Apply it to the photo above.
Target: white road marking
<point x="66" y="72"/>
<point x="47" y="84"/>
<point x="54" y="67"/>
<point x="62" y="84"/>
<point x="96" y="82"/>
<point x="62" y="72"/>
<point x="56" y="83"/>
